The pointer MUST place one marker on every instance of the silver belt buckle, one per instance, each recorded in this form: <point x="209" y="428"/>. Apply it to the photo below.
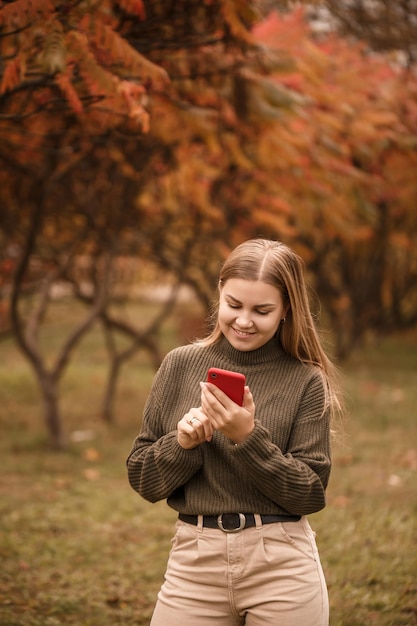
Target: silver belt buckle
<point x="242" y="523"/>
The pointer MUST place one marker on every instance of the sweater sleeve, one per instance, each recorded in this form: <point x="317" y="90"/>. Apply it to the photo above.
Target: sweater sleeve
<point x="157" y="465"/>
<point x="297" y="479"/>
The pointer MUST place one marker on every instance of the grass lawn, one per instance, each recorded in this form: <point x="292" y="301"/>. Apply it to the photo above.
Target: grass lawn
<point x="78" y="546"/>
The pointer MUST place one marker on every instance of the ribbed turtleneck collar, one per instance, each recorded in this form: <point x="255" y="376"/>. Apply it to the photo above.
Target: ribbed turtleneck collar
<point x="268" y="352"/>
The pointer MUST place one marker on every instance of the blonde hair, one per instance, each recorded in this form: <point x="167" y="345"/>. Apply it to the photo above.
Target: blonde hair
<point x="276" y="264"/>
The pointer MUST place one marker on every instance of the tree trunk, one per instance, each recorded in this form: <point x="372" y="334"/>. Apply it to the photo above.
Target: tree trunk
<point x="50" y="395"/>
<point x="27" y="329"/>
<point x="140" y="340"/>
<point x="110" y="391"/>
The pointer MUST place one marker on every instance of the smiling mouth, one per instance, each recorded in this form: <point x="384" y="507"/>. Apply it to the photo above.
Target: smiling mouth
<point x="242" y="333"/>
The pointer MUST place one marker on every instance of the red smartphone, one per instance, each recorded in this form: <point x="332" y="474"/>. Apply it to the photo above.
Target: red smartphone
<point x="231" y="383"/>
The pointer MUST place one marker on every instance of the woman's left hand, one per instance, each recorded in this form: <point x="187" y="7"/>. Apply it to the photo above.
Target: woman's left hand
<point x="234" y="421"/>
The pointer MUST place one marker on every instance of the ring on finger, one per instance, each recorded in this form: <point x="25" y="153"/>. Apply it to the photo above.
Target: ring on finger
<point x="193" y="419"/>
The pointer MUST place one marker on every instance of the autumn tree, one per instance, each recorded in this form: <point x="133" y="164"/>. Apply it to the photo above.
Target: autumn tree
<point x="337" y="178"/>
<point x="56" y="72"/>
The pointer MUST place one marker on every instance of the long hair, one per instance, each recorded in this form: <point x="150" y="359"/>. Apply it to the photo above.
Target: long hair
<point x="276" y="264"/>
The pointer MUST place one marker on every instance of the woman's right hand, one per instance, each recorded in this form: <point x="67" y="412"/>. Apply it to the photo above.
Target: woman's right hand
<point x="194" y="429"/>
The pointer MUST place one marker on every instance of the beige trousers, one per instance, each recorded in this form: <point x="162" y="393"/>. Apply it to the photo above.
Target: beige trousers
<point x="264" y="576"/>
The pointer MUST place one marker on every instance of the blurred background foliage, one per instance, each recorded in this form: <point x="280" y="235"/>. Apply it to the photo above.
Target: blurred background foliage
<point x="140" y="140"/>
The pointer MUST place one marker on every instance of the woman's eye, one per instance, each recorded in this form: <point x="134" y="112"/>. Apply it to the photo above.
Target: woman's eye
<point x="233" y="306"/>
<point x="263" y="312"/>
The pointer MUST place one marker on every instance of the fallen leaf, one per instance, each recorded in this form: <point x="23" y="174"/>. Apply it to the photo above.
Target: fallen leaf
<point x="91" y="474"/>
<point x="91" y="454"/>
<point x="394" y="480"/>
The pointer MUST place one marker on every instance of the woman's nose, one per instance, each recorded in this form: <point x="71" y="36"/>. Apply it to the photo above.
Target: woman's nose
<point x="244" y="321"/>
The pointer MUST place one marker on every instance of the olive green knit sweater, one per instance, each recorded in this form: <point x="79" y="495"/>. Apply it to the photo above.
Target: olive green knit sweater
<point x="281" y="468"/>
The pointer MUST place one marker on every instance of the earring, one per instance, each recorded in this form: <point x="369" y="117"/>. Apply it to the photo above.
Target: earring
<point x="283" y="320"/>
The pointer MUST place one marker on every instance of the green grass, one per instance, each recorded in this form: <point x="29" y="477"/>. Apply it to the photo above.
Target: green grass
<point x="78" y="546"/>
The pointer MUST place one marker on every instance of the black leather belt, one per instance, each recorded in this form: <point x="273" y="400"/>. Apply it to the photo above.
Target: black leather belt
<point x="233" y="522"/>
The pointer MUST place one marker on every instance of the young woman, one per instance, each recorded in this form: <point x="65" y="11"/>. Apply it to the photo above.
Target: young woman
<point x="243" y="478"/>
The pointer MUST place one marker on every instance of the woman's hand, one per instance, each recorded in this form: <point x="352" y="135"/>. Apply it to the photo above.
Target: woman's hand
<point x="193" y="429"/>
<point x="234" y="421"/>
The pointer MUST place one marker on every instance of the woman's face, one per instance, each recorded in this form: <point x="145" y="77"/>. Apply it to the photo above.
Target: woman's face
<point x="250" y="312"/>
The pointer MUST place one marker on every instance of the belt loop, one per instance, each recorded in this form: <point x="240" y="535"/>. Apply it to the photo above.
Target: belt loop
<point x="258" y="521"/>
<point x="199" y="523"/>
